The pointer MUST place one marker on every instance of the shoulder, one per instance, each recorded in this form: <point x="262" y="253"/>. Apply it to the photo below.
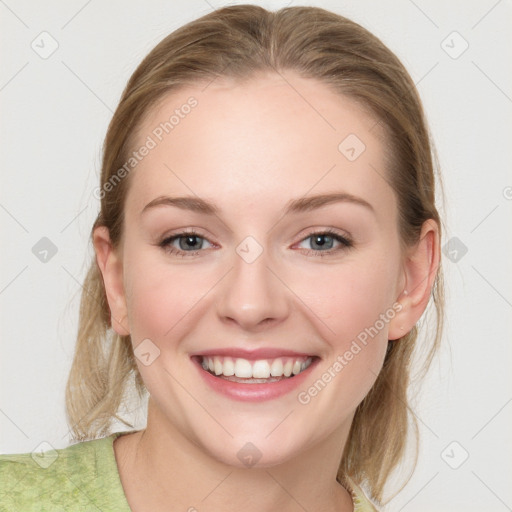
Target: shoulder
<point x="83" y="475"/>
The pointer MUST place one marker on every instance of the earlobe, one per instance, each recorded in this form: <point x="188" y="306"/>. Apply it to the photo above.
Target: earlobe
<point x="111" y="269"/>
<point x="399" y="325"/>
<point x="420" y="268"/>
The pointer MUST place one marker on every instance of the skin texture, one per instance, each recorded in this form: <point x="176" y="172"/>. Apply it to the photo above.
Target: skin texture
<point x="250" y="148"/>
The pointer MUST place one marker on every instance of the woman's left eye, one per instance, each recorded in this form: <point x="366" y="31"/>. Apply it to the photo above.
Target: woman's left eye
<point x="322" y="242"/>
<point x="190" y="243"/>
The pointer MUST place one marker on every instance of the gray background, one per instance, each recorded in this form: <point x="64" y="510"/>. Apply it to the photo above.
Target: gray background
<point x="55" y="111"/>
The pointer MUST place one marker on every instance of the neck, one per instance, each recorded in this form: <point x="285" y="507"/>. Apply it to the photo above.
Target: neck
<point x="159" y="467"/>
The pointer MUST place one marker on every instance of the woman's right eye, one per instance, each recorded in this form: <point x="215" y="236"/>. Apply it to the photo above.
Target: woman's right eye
<point x="189" y="243"/>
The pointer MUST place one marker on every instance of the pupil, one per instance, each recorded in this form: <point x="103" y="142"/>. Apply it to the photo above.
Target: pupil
<point x="190" y="242"/>
<point x="320" y="240"/>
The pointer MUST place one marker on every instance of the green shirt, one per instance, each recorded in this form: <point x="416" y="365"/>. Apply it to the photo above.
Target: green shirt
<point x="82" y="477"/>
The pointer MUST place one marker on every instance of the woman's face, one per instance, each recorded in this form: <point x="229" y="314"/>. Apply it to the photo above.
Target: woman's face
<point x="262" y="171"/>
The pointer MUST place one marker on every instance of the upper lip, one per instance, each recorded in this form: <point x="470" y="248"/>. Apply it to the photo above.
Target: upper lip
<point x="256" y="354"/>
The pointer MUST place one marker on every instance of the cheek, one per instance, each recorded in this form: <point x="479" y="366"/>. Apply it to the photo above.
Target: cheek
<point x="354" y="302"/>
<point x="162" y="299"/>
<point x="350" y="297"/>
<point x="155" y="302"/>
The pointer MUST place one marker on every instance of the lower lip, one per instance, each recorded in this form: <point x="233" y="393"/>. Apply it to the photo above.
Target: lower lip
<point x="254" y="392"/>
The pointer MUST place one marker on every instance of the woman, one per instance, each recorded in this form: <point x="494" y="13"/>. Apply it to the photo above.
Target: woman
<point x="245" y="145"/>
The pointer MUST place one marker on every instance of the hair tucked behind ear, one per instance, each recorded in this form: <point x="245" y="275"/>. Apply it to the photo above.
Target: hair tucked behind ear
<point x="102" y="366"/>
<point x="238" y="42"/>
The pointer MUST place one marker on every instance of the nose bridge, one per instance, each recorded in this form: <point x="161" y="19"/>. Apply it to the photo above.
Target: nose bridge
<point x="252" y="295"/>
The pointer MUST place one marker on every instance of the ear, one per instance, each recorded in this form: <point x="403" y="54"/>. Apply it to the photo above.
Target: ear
<point x="111" y="267"/>
<point x="420" y="269"/>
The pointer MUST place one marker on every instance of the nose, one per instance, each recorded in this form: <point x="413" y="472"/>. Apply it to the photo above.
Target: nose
<point x="252" y="296"/>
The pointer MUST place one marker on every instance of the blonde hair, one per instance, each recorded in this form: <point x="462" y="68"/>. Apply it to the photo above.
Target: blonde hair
<point x="237" y="42"/>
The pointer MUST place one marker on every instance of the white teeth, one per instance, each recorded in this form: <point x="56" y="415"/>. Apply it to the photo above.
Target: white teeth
<point x="229" y="367"/>
<point x="217" y="365"/>
<point x="276" y="370"/>
<point x="260" y="369"/>
<point x="243" y="368"/>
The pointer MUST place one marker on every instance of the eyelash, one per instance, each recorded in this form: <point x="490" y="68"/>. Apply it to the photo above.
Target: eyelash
<point x="346" y="243"/>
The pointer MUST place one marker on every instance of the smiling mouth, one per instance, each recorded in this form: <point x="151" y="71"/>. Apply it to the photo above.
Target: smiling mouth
<point x="254" y="372"/>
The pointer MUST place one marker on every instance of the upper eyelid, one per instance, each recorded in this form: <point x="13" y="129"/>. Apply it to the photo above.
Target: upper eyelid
<point x="183" y="234"/>
<point x="333" y="234"/>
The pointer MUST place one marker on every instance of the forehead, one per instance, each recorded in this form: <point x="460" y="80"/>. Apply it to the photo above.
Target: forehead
<point x="264" y="140"/>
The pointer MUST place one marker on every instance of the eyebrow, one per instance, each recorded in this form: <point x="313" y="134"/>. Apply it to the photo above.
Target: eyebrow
<point x="303" y="204"/>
